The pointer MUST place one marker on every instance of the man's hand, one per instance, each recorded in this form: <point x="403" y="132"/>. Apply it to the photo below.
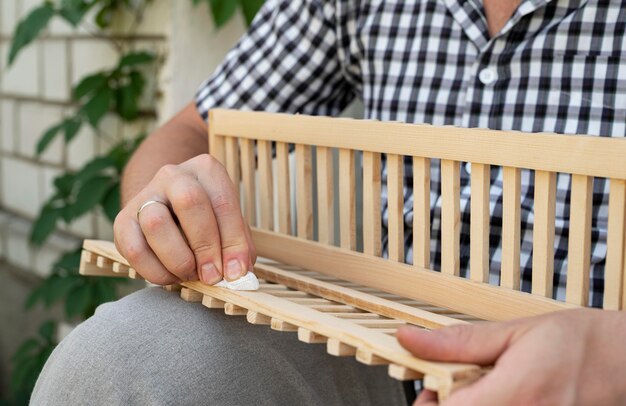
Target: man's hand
<point x="196" y="231"/>
<point x="575" y="357"/>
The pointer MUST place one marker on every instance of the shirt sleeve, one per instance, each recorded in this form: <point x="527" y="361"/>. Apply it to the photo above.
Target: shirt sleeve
<point x="286" y="62"/>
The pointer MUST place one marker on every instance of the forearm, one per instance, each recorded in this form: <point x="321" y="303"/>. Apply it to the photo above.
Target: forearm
<point x="180" y="139"/>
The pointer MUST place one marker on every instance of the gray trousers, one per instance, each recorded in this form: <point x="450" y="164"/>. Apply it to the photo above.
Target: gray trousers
<point x="153" y="348"/>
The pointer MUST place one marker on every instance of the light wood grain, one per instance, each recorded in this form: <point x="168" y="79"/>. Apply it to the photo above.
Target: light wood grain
<point x="304" y="191"/>
<point x="232" y="161"/>
<point x="543" y="233"/>
<point x="450" y="217"/>
<point x="395" y="207"/>
<point x="372" y="225"/>
<point x="280" y="325"/>
<point x="421" y="212"/>
<point x="247" y="158"/>
<point x="258" y="318"/>
<point x="480" y="300"/>
<point x="402" y="373"/>
<point x="479" y="222"/>
<point x="232" y="309"/>
<point x="579" y="241"/>
<point x="307" y="336"/>
<point x="266" y="185"/>
<point x="369" y="358"/>
<point x="339" y="349"/>
<point x="511" y="212"/>
<point x="616" y="247"/>
<point x="325" y="195"/>
<point x="217" y="149"/>
<point x="347" y="200"/>
<point x="284" y="188"/>
<point x="541" y="151"/>
<point x="189" y="295"/>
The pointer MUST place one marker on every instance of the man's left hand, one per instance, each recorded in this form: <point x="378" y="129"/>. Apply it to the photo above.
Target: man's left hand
<point x="574" y="357"/>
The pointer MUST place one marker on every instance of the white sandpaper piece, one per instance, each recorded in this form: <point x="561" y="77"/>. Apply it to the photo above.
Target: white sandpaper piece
<point x="246" y="282"/>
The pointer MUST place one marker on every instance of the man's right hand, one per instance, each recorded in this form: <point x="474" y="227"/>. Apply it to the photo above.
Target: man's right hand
<point x="196" y="231"/>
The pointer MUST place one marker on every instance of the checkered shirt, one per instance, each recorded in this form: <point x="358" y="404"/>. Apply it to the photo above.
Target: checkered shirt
<point x="556" y="66"/>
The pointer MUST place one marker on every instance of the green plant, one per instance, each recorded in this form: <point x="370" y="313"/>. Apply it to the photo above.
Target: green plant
<point x="95" y="186"/>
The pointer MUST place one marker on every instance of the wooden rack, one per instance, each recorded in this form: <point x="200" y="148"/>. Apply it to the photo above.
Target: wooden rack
<point x="340" y="291"/>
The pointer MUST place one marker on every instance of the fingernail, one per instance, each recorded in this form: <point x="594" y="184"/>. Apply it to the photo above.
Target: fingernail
<point x="234" y="269"/>
<point x="210" y="274"/>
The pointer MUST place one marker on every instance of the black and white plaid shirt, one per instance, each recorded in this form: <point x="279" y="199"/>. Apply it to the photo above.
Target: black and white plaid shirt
<point x="556" y="66"/>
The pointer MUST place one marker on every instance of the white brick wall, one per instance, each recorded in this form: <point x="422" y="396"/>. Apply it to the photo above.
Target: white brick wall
<point x="55" y="72"/>
<point x="20" y="186"/>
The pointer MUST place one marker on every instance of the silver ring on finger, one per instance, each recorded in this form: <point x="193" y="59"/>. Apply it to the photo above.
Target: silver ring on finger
<point x="148" y="203"/>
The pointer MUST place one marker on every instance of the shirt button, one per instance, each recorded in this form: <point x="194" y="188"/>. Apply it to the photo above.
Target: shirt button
<point x="487" y="76"/>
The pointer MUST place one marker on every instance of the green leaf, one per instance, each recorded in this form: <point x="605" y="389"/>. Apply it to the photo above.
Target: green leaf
<point x="73" y="11"/>
<point x="111" y="202"/>
<point x="48" y="137"/>
<point x="29" y="28"/>
<point x="94" y="167"/>
<point x="71" y="127"/>
<point x="137" y="82"/>
<point x="36" y="295"/>
<point x="127" y="106"/>
<point x="21" y="372"/>
<point x="104" y="16"/>
<point x="25" y="350"/>
<point x="47" y="329"/>
<point x="250" y="8"/>
<point x="222" y="11"/>
<point x="65" y="183"/>
<point x="98" y="106"/>
<point x="136" y="58"/>
<point x="90" y="84"/>
<point x="77" y="301"/>
<point x="57" y="287"/>
<point x="69" y="262"/>
<point x="91" y="194"/>
<point x="44" y="225"/>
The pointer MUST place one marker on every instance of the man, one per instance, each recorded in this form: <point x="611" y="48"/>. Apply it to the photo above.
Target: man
<point x="534" y="65"/>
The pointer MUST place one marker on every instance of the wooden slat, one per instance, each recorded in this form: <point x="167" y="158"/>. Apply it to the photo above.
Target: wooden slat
<point x="372" y="225"/>
<point x="543" y="233"/>
<point x="450" y="217"/>
<point x="216" y="143"/>
<point x="339" y="349"/>
<point x="232" y="161"/>
<point x="310" y="337"/>
<point x="189" y="295"/>
<point x="248" y="181"/>
<point x="395" y="206"/>
<point x="369" y="358"/>
<point x="343" y="331"/>
<point x="480" y="300"/>
<point x="334" y="292"/>
<point x="325" y="195"/>
<point x="511" y="212"/>
<point x="616" y="247"/>
<point x="347" y="202"/>
<point x="403" y="373"/>
<point x="233" y="309"/>
<point x="304" y="191"/>
<point x="266" y="185"/>
<point x="283" y="187"/>
<point x="548" y="152"/>
<point x="421" y="212"/>
<point x="479" y="222"/>
<point x="258" y="318"/>
<point x="579" y="241"/>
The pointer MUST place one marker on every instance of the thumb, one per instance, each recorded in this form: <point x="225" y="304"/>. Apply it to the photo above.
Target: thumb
<point x="477" y="344"/>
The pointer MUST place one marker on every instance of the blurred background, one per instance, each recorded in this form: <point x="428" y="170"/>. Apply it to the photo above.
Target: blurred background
<point x="81" y="83"/>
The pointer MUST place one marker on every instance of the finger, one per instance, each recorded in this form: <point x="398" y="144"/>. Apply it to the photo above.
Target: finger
<point x="495" y="388"/>
<point x="192" y="207"/>
<point x="225" y="203"/>
<point x="130" y="242"/>
<point x="479" y="344"/>
<point x="167" y="242"/>
<point x="426" y="398"/>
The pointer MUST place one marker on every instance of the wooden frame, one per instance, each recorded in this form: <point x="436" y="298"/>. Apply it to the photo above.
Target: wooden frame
<point x="352" y="299"/>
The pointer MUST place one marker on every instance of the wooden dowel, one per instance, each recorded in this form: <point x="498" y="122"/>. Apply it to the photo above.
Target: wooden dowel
<point x="347" y="202"/>
<point x="511" y="211"/>
<point x="216" y="142"/>
<point x="325" y="195"/>
<point x="421" y="212"/>
<point x="304" y="191"/>
<point x="372" y="225"/>
<point x="232" y="161"/>
<point x="616" y="246"/>
<point x="266" y="185"/>
<point x="395" y="206"/>
<point x="248" y="180"/>
<point x="450" y="217"/>
<point x="579" y="241"/>
<point x="284" y="188"/>
<point x="543" y="233"/>
<point x="479" y="222"/>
